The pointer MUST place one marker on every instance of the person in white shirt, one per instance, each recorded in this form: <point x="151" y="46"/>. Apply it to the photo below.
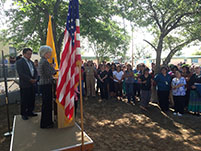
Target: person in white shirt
<point x="27" y="79"/>
<point x="118" y="79"/>
<point x="179" y="92"/>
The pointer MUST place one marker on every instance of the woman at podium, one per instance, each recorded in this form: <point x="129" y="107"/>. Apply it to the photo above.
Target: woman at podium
<point x="46" y="80"/>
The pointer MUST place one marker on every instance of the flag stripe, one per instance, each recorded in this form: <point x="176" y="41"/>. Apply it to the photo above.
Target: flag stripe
<point x="64" y="69"/>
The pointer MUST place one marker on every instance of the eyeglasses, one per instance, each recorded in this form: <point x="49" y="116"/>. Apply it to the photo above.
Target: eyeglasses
<point x="29" y="53"/>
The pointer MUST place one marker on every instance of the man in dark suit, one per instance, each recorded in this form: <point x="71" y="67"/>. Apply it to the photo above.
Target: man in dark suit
<point x="28" y="77"/>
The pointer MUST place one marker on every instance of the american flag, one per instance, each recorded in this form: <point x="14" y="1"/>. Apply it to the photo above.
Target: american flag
<point x="69" y="71"/>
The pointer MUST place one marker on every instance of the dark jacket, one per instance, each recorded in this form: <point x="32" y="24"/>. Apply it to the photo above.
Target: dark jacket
<point x="194" y="79"/>
<point x="25" y="73"/>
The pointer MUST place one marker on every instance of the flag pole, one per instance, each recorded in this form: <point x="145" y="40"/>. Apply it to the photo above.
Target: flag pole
<point x="81" y="107"/>
<point x="132" y="45"/>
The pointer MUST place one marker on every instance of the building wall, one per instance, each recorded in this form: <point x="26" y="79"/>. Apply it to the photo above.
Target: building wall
<point x="176" y="61"/>
<point x="5" y="49"/>
<point x="188" y="61"/>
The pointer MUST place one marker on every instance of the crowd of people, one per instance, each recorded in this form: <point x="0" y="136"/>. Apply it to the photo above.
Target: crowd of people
<point x="178" y="86"/>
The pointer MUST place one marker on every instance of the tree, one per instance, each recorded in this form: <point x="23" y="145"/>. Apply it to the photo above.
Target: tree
<point x="197" y="53"/>
<point x="174" y="23"/>
<point x="28" y="24"/>
<point x="179" y="53"/>
<point x="109" y="43"/>
<point x="141" y="53"/>
<point x="106" y="37"/>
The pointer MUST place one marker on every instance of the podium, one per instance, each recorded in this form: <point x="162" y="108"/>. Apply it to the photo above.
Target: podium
<point x="28" y="136"/>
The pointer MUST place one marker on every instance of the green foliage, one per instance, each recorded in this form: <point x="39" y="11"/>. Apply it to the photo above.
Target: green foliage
<point x="141" y="53"/>
<point x="173" y="23"/>
<point x="178" y="53"/>
<point x="105" y="36"/>
<point x="197" y="53"/>
<point x="28" y="24"/>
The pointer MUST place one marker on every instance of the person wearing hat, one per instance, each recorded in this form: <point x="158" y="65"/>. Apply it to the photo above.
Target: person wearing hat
<point x="46" y="80"/>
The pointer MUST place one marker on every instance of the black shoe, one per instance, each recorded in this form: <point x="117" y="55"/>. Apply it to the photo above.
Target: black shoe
<point x="32" y="114"/>
<point x="24" y="117"/>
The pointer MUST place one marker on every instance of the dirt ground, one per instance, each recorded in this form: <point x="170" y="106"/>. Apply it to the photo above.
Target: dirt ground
<point x="117" y="126"/>
<point x="12" y="86"/>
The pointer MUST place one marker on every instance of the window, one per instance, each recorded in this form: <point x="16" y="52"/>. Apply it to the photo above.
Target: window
<point x="194" y="60"/>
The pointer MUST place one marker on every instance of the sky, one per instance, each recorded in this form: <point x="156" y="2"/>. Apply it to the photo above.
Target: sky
<point x="138" y="37"/>
<point x="6" y="6"/>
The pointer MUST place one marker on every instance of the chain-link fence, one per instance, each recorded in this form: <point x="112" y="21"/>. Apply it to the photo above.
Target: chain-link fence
<point x="10" y="71"/>
<point x="9" y="68"/>
<point x="12" y="81"/>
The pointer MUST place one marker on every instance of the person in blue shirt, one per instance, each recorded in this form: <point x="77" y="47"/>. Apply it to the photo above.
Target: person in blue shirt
<point x="163" y="83"/>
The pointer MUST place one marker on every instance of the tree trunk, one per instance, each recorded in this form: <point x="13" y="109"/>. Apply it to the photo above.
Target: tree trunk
<point x="158" y="61"/>
<point x="58" y="42"/>
<point x="158" y="54"/>
<point x="176" y="49"/>
<point x="59" y="45"/>
<point x="167" y="59"/>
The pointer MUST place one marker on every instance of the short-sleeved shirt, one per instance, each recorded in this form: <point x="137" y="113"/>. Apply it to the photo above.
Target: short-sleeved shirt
<point x="102" y="74"/>
<point x="147" y="85"/>
<point x="181" y="90"/>
<point x="118" y="75"/>
<point x="110" y="73"/>
<point x="136" y="75"/>
<point x="128" y="78"/>
<point x="163" y="83"/>
<point x="5" y="61"/>
<point x="89" y="71"/>
<point x="108" y="76"/>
